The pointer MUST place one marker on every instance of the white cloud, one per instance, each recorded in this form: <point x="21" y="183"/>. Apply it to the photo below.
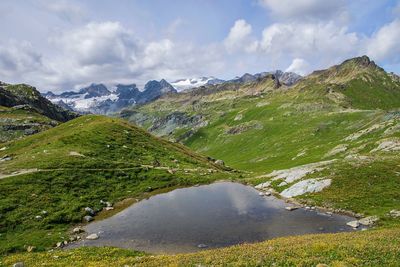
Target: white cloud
<point x="306" y="9"/>
<point x="318" y="43"/>
<point x="299" y="66"/>
<point x="239" y="37"/>
<point x="98" y="43"/>
<point x="107" y="52"/>
<point x="385" y="43"/>
<point x="17" y="58"/>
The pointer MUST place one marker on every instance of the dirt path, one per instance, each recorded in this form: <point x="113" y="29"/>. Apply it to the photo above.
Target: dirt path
<point x="21" y="172"/>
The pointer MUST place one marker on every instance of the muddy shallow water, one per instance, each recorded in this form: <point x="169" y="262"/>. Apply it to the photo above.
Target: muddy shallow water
<point x="209" y="216"/>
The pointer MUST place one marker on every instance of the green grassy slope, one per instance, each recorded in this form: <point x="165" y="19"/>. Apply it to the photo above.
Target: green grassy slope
<point x="76" y="165"/>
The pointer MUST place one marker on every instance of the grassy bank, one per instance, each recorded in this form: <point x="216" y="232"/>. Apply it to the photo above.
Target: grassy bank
<point x="370" y="248"/>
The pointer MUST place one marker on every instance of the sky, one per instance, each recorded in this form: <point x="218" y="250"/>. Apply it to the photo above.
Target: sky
<point x="61" y="45"/>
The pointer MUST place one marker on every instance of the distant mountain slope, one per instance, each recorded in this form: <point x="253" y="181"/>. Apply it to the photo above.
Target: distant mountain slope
<point x="359" y="82"/>
<point x="79" y="163"/>
<point x="22" y="94"/>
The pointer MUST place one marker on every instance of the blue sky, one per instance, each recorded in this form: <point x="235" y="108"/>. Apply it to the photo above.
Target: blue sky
<point x="62" y="45"/>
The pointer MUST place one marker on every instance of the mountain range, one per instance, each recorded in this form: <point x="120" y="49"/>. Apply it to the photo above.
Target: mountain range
<point x="98" y="99"/>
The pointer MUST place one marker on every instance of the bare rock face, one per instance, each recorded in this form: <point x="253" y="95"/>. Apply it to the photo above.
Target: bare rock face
<point x="306" y="186"/>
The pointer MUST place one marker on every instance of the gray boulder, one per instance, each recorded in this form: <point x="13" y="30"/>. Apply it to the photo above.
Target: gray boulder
<point x="88" y="218"/>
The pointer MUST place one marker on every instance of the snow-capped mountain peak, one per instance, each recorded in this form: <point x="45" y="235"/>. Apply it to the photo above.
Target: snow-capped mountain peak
<point x="184" y="84"/>
<point x="96" y="98"/>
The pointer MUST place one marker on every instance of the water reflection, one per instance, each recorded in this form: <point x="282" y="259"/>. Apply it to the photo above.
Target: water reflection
<point x="215" y="215"/>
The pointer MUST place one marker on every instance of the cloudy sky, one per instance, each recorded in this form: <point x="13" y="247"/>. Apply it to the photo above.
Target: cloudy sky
<point x="66" y="44"/>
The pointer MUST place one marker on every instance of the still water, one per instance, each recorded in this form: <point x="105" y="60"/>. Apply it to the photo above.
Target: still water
<point x="209" y="216"/>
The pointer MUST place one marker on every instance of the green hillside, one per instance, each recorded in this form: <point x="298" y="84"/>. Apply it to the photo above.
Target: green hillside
<point x="55" y="174"/>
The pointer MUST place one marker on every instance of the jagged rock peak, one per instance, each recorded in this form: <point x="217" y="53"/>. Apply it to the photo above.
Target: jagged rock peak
<point x="95" y="90"/>
<point x="363" y="61"/>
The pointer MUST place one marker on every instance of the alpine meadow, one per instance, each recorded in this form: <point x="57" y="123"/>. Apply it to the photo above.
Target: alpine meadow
<point x="220" y="133"/>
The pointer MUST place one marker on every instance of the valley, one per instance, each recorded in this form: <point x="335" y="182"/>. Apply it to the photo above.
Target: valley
<point x="329" y="141"/>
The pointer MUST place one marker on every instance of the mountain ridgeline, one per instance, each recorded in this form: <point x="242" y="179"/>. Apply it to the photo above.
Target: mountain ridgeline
<point x="98" y="99"/>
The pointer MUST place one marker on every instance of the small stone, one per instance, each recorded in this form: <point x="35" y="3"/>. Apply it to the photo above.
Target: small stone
<point x="354" y="224"/>
<point x="38" y="217"/>
<point x="92" y="237"/>
<point x="368" y="221"/>
<point x="290" y="208"/>
<point x="78" y="230"/>
<point x="202" y="246"/>
<point x="307" y="208"/>
<point x="220" y="162"/>
<point x="65" y="242"/>
<point x="19" y="264"/>
<point x="89" y="211"/>
<point x="395" y="213"/>
<point x="44" y="212"/>
<point x="108" y="208"/>
<point x="261" y="194"/>
<point x="109" y="204"/>
<point x="263" y="185"/>
<point x="30" y="248"/>
<point x="282" y="184"/>
<point x="329" y="213"/>
<point x="6" y="158"/>
<point x="268" y="193"/>
<point x="59" y="244"/>
<point x="88" y="218"/>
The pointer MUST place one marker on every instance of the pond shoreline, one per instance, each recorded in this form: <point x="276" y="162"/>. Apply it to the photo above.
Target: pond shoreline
<point x="121" y="208"/>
